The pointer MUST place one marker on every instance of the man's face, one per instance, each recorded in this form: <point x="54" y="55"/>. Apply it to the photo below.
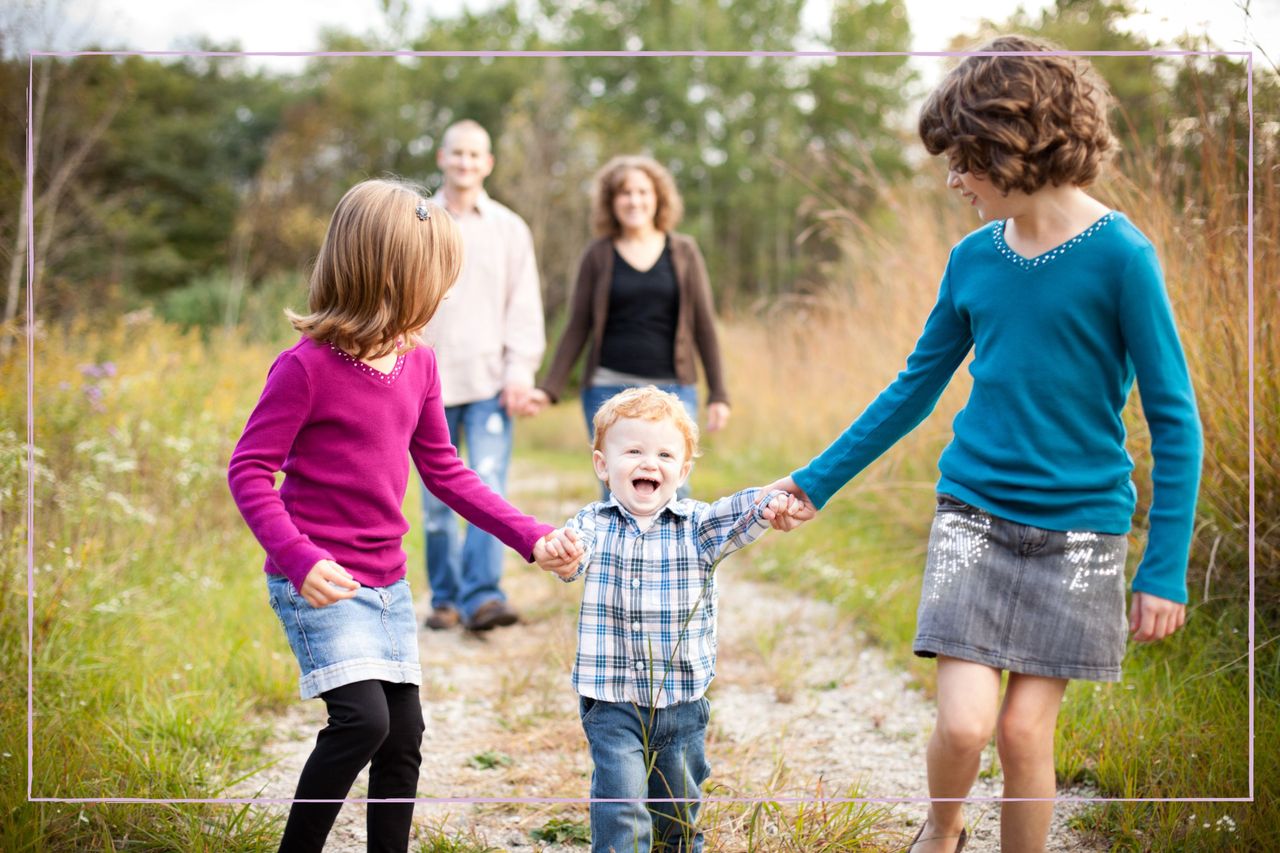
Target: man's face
<point x="465" y="159"/>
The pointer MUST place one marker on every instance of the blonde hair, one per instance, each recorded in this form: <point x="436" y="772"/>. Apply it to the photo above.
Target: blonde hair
<point x="649" y="404"/>
<point x="381" y="271"/>
<point x="610" y="179"/>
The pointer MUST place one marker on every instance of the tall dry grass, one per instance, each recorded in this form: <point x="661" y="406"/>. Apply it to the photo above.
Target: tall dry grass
<point x="805" y="366"/>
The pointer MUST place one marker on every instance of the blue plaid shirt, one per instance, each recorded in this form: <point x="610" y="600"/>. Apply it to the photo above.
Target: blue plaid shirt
<point x="647" y="626"/>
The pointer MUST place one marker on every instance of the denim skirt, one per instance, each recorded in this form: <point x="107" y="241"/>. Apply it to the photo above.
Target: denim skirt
<point x="1021" y="598"/>
<point x="373" y="636"/>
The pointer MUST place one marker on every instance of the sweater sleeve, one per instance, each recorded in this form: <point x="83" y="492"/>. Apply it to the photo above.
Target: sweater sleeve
<point x="704" y="329"/>
<point x="1169" y="406"/>
<point x="900" y="407"/>
<point x="574" y="336"/>
<point x="261" y="452"/>
<point x="460" y="488"/>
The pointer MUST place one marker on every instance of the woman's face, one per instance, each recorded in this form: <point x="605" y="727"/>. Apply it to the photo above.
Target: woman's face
<point x="635" y="204"/>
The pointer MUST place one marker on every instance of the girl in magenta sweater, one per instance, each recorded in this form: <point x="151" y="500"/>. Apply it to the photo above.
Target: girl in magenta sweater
<point x="342" y="411"/>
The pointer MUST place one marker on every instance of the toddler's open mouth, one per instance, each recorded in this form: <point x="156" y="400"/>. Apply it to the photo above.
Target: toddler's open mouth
<point x="644" y="486"/>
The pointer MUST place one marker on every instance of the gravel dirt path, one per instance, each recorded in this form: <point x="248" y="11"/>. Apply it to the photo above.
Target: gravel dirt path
<point x="802" y="707"/>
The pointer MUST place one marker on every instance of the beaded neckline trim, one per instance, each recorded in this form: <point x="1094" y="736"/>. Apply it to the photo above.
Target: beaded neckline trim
<point x="384" y="378"/>
<point x="997" y="235"/>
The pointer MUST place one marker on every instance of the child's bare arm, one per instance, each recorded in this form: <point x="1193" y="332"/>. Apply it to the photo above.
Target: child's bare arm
<point x="1153" y="618"/>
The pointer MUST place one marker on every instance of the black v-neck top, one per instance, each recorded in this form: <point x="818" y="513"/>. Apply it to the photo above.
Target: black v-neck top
<point x="640" y="332"/>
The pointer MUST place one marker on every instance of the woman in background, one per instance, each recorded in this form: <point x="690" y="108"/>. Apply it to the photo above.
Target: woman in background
<point x="642" y="300"/>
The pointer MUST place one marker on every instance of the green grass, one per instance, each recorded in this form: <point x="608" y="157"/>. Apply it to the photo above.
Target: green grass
<point x="155" y="656"/>
<point x="151" y="654"/>
<point x="489" y="760"/>
<point x="562" y="831"/>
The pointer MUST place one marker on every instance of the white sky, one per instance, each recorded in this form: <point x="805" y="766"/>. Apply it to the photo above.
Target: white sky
<point x="294" y="25"/>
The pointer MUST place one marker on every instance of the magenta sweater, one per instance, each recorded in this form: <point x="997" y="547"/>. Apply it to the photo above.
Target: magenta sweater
<point x="342" y="434"/>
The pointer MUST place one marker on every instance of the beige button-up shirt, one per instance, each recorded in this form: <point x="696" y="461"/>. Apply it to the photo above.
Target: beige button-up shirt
<point x="489" y="332"/>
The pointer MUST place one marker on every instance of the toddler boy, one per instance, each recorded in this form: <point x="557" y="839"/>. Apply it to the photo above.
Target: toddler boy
<point x="647" y="625"/>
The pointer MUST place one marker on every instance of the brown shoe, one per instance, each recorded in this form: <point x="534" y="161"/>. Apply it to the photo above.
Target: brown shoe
<point x="492" y="614"/>
<point x="443" y="618"/>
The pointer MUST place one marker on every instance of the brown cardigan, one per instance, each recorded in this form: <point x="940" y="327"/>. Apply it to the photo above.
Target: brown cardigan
<point x="589" y="307"/>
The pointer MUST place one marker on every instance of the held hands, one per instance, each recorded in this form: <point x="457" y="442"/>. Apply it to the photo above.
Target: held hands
<point x="328" y="583"/>
<point x="535" y="402"/>
<point x="799" y="510"/>
<point x="785" y="512"/>
<point x="558" y="552"/>
<point x="1153" y="618"/>
<point x="515" y="399"/>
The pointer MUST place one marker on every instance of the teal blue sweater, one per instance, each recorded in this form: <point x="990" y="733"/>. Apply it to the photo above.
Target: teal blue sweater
<point x="1057" y="341"/>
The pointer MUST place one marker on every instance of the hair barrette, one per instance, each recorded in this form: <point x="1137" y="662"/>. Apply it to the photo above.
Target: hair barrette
<point x="423" y="211"/>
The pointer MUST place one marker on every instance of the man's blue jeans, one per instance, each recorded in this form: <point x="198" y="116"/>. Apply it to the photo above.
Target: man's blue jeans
<point x="643" y="753"/>
<point x="464" y="573"/>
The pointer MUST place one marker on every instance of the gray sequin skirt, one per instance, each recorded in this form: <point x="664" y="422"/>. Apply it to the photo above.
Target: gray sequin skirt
<point x="1021" y="598"/>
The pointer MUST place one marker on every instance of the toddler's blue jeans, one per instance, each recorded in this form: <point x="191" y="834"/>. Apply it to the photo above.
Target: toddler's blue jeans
<point x="646" y="753"/>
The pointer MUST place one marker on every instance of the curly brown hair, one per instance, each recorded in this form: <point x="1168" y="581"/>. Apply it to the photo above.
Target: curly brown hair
<point x="387" y="260"/>
<point x="1021" y="121"/>
<point x="609" y="180"/>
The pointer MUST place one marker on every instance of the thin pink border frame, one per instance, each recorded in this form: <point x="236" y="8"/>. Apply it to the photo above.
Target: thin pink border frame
<point x="30" y="329"/>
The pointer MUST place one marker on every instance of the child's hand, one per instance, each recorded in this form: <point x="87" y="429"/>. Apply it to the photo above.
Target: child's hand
<point x="1153" y="618"/>
<point x="327" y="583"/>
<point x="558" y="552"/>
<point x="798" y="508"/>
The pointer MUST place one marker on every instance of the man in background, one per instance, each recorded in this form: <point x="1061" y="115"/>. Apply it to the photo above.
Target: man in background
<point x="488" y="337"/>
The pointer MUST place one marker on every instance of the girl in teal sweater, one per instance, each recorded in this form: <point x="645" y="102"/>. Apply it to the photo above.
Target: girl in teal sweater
<point x="1062" y="302"/>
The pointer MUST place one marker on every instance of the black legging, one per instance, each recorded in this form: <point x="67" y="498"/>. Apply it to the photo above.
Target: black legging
<point x="370" y="722"/>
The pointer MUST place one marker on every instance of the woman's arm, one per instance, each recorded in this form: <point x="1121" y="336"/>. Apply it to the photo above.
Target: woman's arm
<point x="704" y="331"/>
<point x="575" y="334"/>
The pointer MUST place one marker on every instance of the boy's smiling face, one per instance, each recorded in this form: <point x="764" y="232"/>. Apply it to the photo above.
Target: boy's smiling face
<point x="643" y="463"/>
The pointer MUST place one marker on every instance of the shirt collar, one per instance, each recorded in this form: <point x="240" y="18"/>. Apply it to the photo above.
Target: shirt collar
<point x="675" y="506"/>
<point x="483" y="205"/>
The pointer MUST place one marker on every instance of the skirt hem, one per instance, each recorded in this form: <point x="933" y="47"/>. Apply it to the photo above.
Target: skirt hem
<point x="928" y="647"/>
<point x="318" y="681"/>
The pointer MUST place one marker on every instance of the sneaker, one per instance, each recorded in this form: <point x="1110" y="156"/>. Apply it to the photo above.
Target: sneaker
<point x="492" y="614"/>
<point x="443" y="618"/>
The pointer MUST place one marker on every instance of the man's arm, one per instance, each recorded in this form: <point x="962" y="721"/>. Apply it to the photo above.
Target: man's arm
<point x="524" y="330"/>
